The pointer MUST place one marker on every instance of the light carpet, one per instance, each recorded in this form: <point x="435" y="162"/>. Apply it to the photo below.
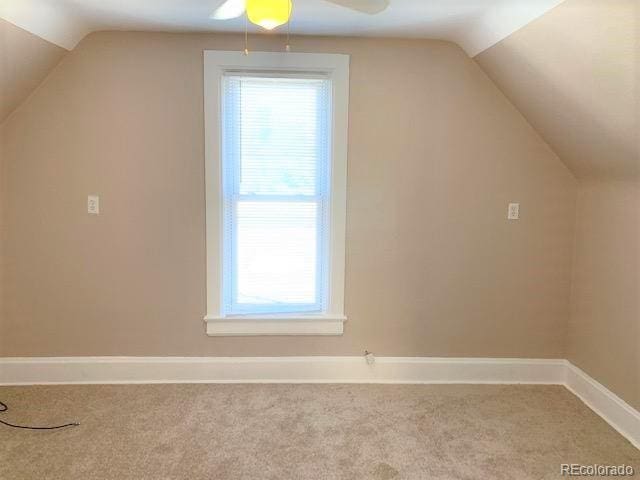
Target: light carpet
<point x="310" y="432"/>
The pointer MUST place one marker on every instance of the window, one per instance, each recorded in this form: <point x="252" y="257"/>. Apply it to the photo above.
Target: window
<point x="276" y="175"/>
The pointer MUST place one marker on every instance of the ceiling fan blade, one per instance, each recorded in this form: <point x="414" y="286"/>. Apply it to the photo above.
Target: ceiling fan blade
<point x="365" y="6"/>
<point x="229" y="9"/>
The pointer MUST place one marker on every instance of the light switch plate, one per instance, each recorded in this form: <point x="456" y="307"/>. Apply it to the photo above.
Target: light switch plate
<point x="93" y="205"/>
<point x="514" y="211"/>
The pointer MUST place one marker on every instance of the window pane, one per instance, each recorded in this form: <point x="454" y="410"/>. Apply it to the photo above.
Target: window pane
<point x="281" y="134"/>
<point x="276" y="155"/>
<point x="276" y="253"/>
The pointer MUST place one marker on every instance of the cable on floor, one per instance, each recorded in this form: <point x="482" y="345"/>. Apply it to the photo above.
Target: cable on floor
<point x="4" y="408"/>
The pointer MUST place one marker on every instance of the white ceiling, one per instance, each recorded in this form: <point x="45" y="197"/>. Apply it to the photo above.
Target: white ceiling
<point x="473" y="24"/>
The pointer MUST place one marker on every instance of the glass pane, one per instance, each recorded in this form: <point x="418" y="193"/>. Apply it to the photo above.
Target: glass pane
<point x="280" y="135"/>
<point x="276" y="253"/>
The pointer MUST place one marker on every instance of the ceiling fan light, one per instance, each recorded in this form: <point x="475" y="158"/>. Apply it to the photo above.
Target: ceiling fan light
<point x="269" y="14"/>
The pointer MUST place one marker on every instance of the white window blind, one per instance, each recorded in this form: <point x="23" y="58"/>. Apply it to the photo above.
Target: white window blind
<point x="276" y="152"/>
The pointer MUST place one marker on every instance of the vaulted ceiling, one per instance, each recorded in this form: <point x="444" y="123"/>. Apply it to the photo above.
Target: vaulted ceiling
<point x="575" y="75"/>
<point x="571" y="67"/>
<point x="473" y="24"/>
<point x="25" y="60"/>
<point x="35" y="33"/>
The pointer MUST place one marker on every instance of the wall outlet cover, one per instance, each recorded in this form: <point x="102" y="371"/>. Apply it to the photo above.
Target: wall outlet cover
<point x="514" y="211"/>
<point x="93" y="205"/>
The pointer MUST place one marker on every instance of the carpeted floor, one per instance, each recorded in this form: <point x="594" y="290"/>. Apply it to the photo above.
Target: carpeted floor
<point x="304" y="432"/>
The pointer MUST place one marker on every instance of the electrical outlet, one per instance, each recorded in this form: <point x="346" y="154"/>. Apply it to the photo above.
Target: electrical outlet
<point x="93" y="205"/>
<point x="514" y="211"/>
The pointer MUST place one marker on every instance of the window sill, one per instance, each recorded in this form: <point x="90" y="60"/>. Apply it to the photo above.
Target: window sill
<point x="322" y="325"/>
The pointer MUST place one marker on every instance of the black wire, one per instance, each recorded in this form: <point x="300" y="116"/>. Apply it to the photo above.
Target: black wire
<point x="4" y="408"/>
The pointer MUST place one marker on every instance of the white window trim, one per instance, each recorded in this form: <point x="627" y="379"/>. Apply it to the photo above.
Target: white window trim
<point x="332" y="321"/>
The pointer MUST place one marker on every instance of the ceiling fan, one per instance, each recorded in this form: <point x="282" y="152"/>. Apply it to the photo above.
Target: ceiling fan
<point x="270" y="14"/>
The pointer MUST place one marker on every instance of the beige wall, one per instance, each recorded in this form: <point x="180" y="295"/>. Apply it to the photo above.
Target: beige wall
<point x="575" y="75"/>
<point x="25" y="60"/>
<point x="436" y="152"/>
<point x="2" y="231"/>
<point x="604" y="333"/>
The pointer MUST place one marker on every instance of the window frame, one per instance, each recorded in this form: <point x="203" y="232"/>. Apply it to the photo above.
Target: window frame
<point x="336" y="68"/>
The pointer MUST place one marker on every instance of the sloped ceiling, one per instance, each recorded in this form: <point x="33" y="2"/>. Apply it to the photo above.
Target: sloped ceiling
<point x="574" y="73"/>
<point x="58" y="25"/>
<point x="473" y="24"/>
<point x="25" y="60"/>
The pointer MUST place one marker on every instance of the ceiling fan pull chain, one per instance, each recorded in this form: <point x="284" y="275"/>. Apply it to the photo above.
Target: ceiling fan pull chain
<point x="246" y="36"/>
<point x="287" y="47"/>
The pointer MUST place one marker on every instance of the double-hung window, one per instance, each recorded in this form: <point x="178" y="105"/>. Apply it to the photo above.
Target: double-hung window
<point x="276" y="176"/>
<point x="275" y="192"/>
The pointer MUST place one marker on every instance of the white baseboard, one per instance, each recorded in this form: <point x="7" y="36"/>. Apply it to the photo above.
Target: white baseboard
<point x="321" y="369"/>
<point x="619" y="414"/>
